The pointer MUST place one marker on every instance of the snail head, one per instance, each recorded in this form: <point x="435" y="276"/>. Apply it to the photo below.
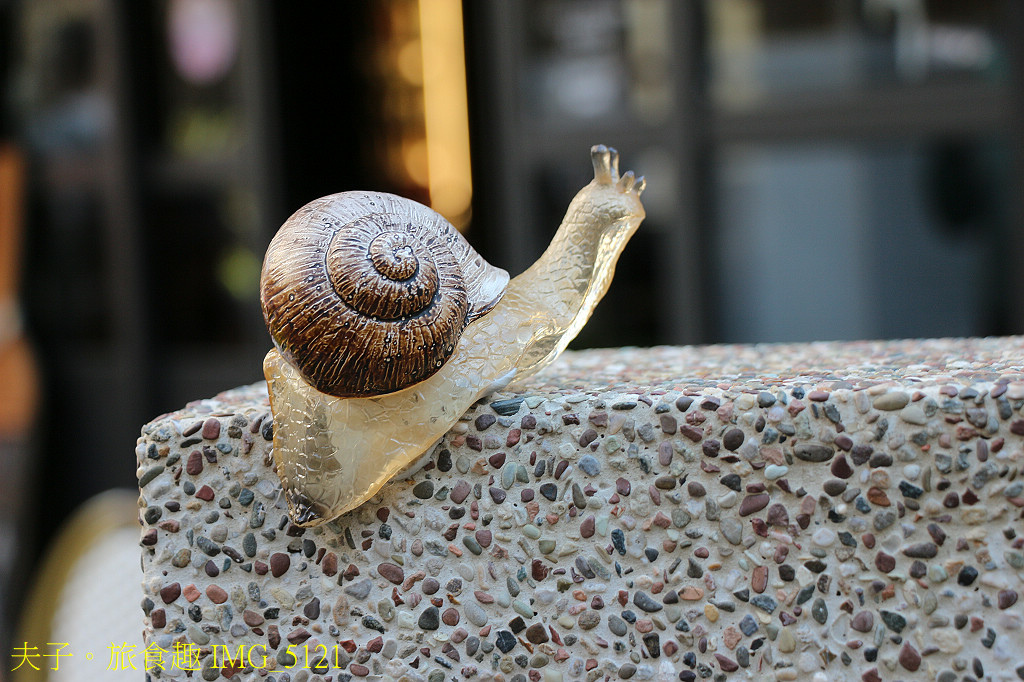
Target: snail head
<point x="613" y="199"/>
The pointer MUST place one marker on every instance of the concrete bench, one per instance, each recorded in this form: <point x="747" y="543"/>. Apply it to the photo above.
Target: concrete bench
<point x="815" y="511"/>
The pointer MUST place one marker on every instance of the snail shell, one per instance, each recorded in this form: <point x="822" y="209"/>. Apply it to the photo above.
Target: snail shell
<point x="367" y="293"/>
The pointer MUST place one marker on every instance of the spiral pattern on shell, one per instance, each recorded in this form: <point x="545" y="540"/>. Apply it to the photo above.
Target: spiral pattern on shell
<point x="367" y="293"/>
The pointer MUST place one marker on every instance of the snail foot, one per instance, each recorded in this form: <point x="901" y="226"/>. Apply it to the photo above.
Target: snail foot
<point x="304" y="511"/>
<point x="415" y="466"/>
<point x="606" y="164"/>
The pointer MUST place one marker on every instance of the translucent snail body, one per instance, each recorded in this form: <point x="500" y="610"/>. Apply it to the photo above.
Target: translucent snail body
<point x="333" y="453"/>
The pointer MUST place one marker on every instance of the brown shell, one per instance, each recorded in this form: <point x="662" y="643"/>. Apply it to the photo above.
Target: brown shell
<point x="366" y="293"/>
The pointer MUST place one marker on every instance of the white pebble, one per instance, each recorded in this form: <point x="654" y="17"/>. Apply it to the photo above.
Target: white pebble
<point x="808" y="662"/>
<point x="1015" y="390"/>
<point x="823" y="537"/>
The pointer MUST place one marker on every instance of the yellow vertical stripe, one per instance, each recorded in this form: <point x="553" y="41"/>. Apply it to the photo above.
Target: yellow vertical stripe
<point x="446" y="111"/>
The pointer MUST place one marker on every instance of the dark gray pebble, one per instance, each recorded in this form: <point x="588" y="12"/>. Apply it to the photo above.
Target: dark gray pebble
<point x="149" y="474"/>
<point x="207" y="546"/>
<point x="731" y="481"/>
<point x="910" y="490"/>
<point x="644" y="601"/>
<point x="819" y="611"/>
<point x="505" y="641"/>
<point x="616" y="625"/>
<point x="893" y="620"/>
<point x="652" y="641"/>
<point x="813" y="452"/>
<point x="989" y="639"/>
<point x="153" y="514"/>
<point x="967" y="575"/>
<point x="834" y="487"/>
<point x="430" y="619"/>
<point x="424" y="490"/>
<point x="764" y="602"/>
<point x="507" y="408"/>
<point x="619" y="541"/>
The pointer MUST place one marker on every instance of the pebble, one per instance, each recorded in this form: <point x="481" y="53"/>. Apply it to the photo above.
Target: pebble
<point x="823" y="537"/>
<point x="834" y="487"/>
<point x="474" y="613"/>
<point x="936" y="573"/>
<point x="216" y="594"/>
<point x="169" y="593"/>
<point x="893" y="400"/>
<point x="732" y="529"/>
<point x="885" y="562"/>
<point x="748" y="625"/>
<point x="424" y="490"/>
<point x="967" y="575"/>
<point x="753" y="503"/>
<point x="764" y="602"/>
<point x="819" y="611"/>
<point x="505" y="641"/>
<point x="733" y="439"/>
<point x="759" y="579"/>
<point x="644" y="602"/>
<point x="921" y="550"/>
<point x="507" y="408"/>
<point x="359" y="590"/>
<point x="786" y="642"/>
<point x="208" y="546"/>
<point x="776" y="515"/>
<point x="391" y="573"/>
<point x="589" y="465"/>
<point x="893" y="620"/>
<point x="429" y="619"/>
<point x="841" y="467"/>
<point x="279" y="564"/>
<point x="211" y="429"/>
<point x="813" y="452"/>
<point x="909" y="657"/>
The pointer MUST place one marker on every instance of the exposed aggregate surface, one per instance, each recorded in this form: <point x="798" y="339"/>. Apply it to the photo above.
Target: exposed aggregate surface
<point x="814" y="511"/>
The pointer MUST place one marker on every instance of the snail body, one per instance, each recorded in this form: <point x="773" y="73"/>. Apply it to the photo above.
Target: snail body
<point x="333" y="453"/>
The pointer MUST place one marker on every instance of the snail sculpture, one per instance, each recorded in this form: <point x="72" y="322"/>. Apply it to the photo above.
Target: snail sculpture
<point x="387" y="326"/>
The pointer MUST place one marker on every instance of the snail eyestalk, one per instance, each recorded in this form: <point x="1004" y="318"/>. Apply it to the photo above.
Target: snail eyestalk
<point x="333" y="454"/>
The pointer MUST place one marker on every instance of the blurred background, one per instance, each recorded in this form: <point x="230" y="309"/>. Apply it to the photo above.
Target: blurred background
<point x="817" y="169"/>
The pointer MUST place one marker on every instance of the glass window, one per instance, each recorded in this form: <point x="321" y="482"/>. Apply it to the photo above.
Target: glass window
<point x="854" y="241"/>
<point x="759" y="48"/>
